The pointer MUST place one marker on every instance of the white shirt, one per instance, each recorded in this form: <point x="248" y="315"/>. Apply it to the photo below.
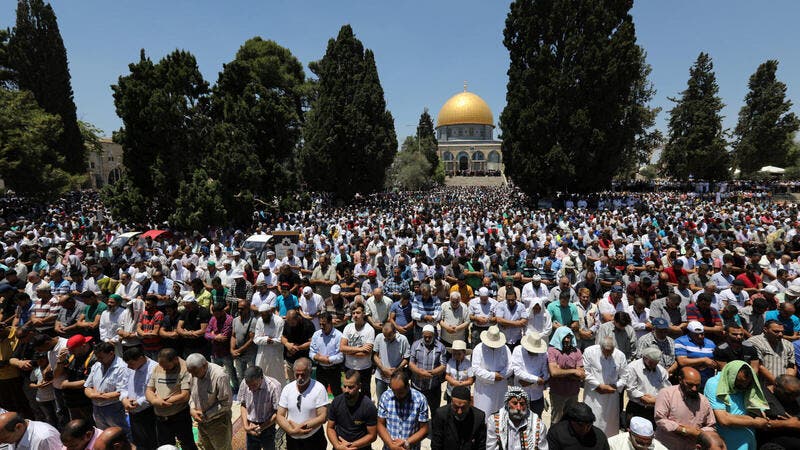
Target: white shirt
<point x="728" y="297"/>
<point x="311" y="306"/>
<point x="129" y="291"/>
<point x="115" y="379"/>
<point x="358" y="338"/>
<point x="259" y="299"/>
<point x="39" y="436"/>
<point x="483" y="310"/>
<point x="530" y="368"/>
<point x="315" y="396"/>
<point x="109" y="324"/>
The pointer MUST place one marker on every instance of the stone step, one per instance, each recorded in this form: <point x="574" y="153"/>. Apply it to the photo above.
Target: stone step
<point x="474" y="181"/>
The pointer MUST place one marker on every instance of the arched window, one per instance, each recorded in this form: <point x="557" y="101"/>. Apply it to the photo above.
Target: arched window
<point x="447" y="156"/>
<point x="494" y="156"/>
<point x="477" y="156"/>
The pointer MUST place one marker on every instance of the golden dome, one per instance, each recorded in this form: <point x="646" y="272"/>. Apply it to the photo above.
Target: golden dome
<point x="465" y="108"/>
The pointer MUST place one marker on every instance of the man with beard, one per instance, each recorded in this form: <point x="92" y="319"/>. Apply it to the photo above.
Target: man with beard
<point x="458" y="426"/>
<point x="352" y="417"/>
<point x="682" y="414"/>
<point x="515" y="426"/>
<point x="302" y="409"/>
<point x="427" y="364"/>
<point x="638" y="437"/>
<point x="576" y="431"/>
<point x="269" y="330"/>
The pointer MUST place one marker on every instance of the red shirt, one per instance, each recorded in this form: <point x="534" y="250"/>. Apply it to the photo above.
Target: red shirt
<point x="748" y="282"/>
<point x="673" y="277"/>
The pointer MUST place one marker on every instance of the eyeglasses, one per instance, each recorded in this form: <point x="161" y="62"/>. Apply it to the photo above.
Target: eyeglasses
<point x="299" y="401"/>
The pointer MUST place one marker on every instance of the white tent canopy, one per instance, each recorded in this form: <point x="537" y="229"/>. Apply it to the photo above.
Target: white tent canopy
<point x="772" y="169"/>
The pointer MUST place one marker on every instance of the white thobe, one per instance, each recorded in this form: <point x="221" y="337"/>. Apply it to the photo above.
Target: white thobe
<point x="530" y="369"/>
<point x="602" y="370"/>
<point x="489" y="394"/>
<point x="312" y="307"/>
<point x="270" y="349"/>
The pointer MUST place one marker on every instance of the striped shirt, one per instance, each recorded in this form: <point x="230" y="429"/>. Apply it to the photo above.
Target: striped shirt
<point x="262" y="403"/>
<point x="684" y="346"/>
<point x="776" y="359"/>
<point x="427" y="359"/>
<point x="45" y="309"/>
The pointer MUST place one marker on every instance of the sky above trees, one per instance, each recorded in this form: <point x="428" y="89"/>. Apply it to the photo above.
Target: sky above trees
<point x="423" y="51"/>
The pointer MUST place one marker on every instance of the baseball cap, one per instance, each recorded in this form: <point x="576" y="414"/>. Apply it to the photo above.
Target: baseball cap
<point x="77" y="341"/>
<point x="695" y="327"/>
<point x="660" y="323"/>
<point x="617" y="289"/>
<point x="372" y="273"/>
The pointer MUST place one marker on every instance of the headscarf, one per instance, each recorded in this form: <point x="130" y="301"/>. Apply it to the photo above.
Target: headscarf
<point x="559" y="335"/>
<point x="515" y="392"/>
<point x="754" y="397"/>
<point x="530" y="435"/>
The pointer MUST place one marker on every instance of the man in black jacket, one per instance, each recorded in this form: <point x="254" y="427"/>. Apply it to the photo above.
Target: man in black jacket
<point x="458" y="426"/>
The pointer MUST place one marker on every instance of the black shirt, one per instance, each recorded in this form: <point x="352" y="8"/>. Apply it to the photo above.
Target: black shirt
<point x="191" y="322"/>
<point x="561" y="436"/>
<point x="77" y="369"/>
<point x="725" y="353"/>
<point x="298" y="335"/>
<point x="352" y="422"/>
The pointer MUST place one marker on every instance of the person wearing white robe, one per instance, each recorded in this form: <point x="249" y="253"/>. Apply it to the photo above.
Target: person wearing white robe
<point x="605" y="366"/>
<point x="268" y="339"/>
<point x="539" y="322"/>
<point x="531" y="372"/>
<point x="491" y="363"/>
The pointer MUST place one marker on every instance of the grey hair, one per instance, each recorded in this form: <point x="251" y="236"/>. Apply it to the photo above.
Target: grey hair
<point x="455" y="295"/>
<point x="196" y="361"/>
<point x="608" y="343"/>
<point x="300" y="362"/>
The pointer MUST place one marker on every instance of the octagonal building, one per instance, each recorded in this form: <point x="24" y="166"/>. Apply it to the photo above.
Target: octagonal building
<point x="465" y="131"/>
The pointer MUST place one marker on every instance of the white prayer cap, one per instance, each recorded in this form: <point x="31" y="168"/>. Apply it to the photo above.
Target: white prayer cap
<point x="483" y="292"/>
<point x="641" y="427"/>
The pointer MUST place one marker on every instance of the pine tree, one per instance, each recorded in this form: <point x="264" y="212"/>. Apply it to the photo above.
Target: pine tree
<point x="765" y="129"/>
<point x="38" y="58"/>
<point x="6" y="74"/>
<point x="696" y="143"/>
<point x="349" y="135"/>
<point x="577" y="98"/>
<point x="427" y="140"/>
<point x="165" y="130"/>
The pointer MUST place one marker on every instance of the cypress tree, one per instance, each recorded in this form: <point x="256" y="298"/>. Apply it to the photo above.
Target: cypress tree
<point x="349" y="135"/>
<point x="765" y="129"/>
<point x="38" y="58"/>
<point x="696" y="143"/>
<point x="427" y="140"/>
<point x="577" y="99"/>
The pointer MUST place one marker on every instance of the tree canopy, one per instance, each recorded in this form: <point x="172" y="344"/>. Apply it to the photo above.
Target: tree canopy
<point x="766" y="127"/>
<point x="696" y="143"/>
<point x="349" y="135"/>
<point x="577" y="108"/>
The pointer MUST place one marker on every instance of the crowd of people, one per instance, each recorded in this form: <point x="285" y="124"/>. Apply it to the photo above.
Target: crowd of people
<point x="459" y="316"/>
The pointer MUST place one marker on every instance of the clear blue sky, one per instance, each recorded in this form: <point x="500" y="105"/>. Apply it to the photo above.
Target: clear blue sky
<point x="424" y="50"/>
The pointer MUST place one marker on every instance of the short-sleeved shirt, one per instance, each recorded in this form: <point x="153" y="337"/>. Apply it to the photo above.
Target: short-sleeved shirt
<point x="776" y="360"/>
<point x="298" y="335"/>
<point x="170" y="383"/>
<point x="93" y="311"/>
<point x="564" y="315"/>
<point x="358" y="338"/>
<point x="402" y="314"/>
<point x="192" y="320"/>
<point x="709" y="318"/>
<point x="403" y="417"/>
<point x="427" y="359"/>
<point x="736" y="438"/>
<point x="684" y="346"/>
<point x="284" y="304"/>
<point x="352" y="421"/>
<point x="562" y="385"/>
<point x="791" y="324"/>
<point x="725" y="353"/>
<point x="315" y="396"/>
<point x="461" y="371"/>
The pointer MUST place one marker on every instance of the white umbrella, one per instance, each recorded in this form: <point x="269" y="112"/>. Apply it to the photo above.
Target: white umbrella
<point x="772" y="169"/>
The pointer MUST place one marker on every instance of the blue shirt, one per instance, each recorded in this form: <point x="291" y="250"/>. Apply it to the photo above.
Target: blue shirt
<point x="791" y="325"/>
<point x="327" y="345"/>
<point x="402" y="313"/>
<point x="736" y="438"/>
<point x="684" y="346"/>
<point x="284" y="304"/>
<point x="403" y="417"/>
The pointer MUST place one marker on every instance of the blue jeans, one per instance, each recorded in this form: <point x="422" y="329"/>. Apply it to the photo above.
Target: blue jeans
<point x="227" y="363"/>
<point x="242" y="363"/>
<point x="380" y="387"/>
<point x="112" y="415"/>
<point x="264" y="441"/>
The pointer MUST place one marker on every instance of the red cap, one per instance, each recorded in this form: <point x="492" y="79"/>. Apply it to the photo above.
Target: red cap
<point x="285" y="285"/>
<point x="77" y="341"/>
<point x="372" y="273"/>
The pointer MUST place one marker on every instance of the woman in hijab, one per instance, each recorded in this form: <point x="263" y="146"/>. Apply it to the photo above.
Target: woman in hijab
<point x="565" y="363"/>
<point x="739" y="404"/>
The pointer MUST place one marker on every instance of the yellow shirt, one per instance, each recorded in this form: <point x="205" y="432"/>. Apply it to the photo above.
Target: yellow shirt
<point x="7" y="347"/>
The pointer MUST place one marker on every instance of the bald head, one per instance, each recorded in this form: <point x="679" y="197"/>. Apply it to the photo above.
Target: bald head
<point x="112" y="438"/>
<point x="12" y="428"/>
<point x="690" y="373"/>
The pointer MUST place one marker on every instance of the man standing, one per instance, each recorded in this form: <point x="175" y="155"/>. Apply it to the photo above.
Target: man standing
<point x="458" y="426"/>
<point x="491" y="363"/>
<point x="302" y="409"/>
<point x="107" y="379"/>
<point x="269" y="330"/>
<point x="218" y="333"/>
<point x="515" y="425"/>
<point x="481" y="314"/>
<point x="357" y="343"/>
<point x="644" y="378"/>
<point x="210" y="402"/>
<point x="377" y="309"/>
<point x="259" y="396"/>
<point x="681" y="413"/>
<point x="243" y="349"/>
<point x="512" y="319"/>
<point x="352" y="417"/>
<point x="427" y="364"/>
<point x="140" y="411"/>
<point x="296" y="338"/>
<point x="325" y="352"/>
<point x="658" y="338"/>
<point x="695" y="350"/>
<point x="605" y="366"/>
<point x="168" y="391"/>
<point x="529" y="364"/>
<point x="455" y="320"/>
<point x="391" y="354"/>
<point x="402" y="415"/>
<point x="425" y="309"/>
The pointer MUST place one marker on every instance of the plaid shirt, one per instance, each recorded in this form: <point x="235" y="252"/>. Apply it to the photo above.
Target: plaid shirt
<point x="61" y="288"/>
<point x="403" y="418"/>
<point x="426" y="359"/>
<point x="391" y="286"/>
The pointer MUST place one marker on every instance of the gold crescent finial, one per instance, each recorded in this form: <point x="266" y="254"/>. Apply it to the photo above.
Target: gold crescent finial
<point x="465" y="85"/>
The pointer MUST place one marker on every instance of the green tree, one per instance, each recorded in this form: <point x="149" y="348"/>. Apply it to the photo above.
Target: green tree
<point x="577" y="97"/>
<point x="257" y="107"/>
<point x="696" y="142"/>
<point x="38" y="58"/>
<point x="410" y="170"/>
<point x="349" y="135"/>
<point x="165" y="130"/>
<point x="766" y="127"/>
<point x="199" y="203"/>
<point x="427" y="139"/>
<point x="126" y="201"/>
<point x="27" y="133"/>
<point x="6" y="74"/>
